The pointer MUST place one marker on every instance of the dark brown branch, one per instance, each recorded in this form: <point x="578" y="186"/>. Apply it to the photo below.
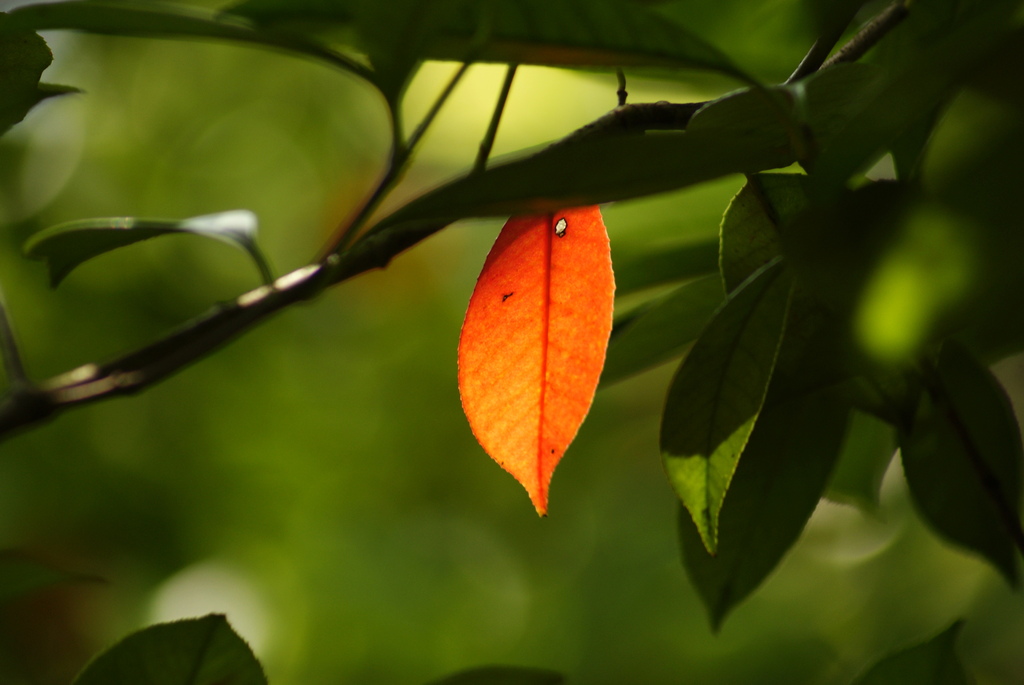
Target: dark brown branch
<point x="148" y="365"/>
<point x="22" y="407"/>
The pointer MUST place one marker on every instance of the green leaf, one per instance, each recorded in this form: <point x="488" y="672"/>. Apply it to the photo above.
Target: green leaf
<point x="998" y="329"/>
<point x="833" y="248"/>
<point x="198" y="651"/>
<point x="123" y="18"/>
<point x="909" y="148"/>
<point x="723" y="138"/>
<point x="158" y="19"/>
<point x="909" y="95"/>
<point x="661" y="329"/>
<point x="602" y="170"/>
<point x="801" y="117"/>
<point x="810" y="355"/>
<point x="718" y="392"/>
<point x="503" y="675"/>
<point x="766" y="36"/>
<point x="828" y="100"/>
<point x="395" y="35"/>
<point x="663" y="264"/>
<point x="23" y="58"/>
<point x="65" y="246"/>
<point x="831" y="16"/>
<point x="750" y="227"/>
<point x="926" y="24"/>
<point x="899" y="273"/>
<point x="962" y="459"/>
<point x="932" y="663"/>
<point x="297" y="14"/>
<point x="866" y="455"/>
<point x="777" y="485"/>
<point x="20" y="575"/>
<point x="590" y="33"/>
<point x="921" y="284"/>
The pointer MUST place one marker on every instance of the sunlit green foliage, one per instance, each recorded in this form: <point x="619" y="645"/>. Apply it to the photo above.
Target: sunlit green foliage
<point x="835" y="260"/>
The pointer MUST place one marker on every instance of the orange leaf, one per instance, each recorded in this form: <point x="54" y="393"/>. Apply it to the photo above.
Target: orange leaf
<point x="534" y="340"/>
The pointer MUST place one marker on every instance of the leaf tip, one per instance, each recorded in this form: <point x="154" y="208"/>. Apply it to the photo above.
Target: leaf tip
<point x="541" y="505"/>
<point x="715" y="623"/>
<point x="1010" y="572"/>
<point x="706" y="525"/>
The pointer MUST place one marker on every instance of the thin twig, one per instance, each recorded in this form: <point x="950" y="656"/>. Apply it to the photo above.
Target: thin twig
<point x="401" y="154"/>
<point x="621" y="92"/>
<point x="492" y="128"/>
<point x="261" y="261"/>
<point x="428" y="119"/>
<point x="13" y="365"/>
<point x="199" y="337"/>
<point x="872" y="32"/>
<point x="818" y="53"/>
<point x="343" y="259"/>
<point x="152" y="363"/>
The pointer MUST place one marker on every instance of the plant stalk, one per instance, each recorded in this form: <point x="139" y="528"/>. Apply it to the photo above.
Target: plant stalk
<point x="492" y="128"/>
<point x="872" y="32"/>
<point x="13" y="365"/>
<point x="401" y="154"/>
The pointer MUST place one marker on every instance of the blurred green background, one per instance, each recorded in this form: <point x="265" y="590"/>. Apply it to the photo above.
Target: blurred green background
<point x="316" y="479"/>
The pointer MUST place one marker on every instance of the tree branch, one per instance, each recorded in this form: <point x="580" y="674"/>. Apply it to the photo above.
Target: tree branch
<point x="816" y="56"/>
<point x="872" y="32"/>
<point x="148" y="365"/>
<point x="23" y="406"/>
<point x="401" y="154"/>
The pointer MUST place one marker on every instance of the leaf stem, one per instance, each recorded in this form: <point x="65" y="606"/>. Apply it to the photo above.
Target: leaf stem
<point x="872" y="32"/>
<point x="492" y="128"/>
<point x="428" y="119"/>
<point x="622" y="94"/>
<point x="401" y="154"/>
<point x="13" y="365"/>
<point x="262" y="263"/>
<point x="818" y="53"/>
<point x="201" y="336"/>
